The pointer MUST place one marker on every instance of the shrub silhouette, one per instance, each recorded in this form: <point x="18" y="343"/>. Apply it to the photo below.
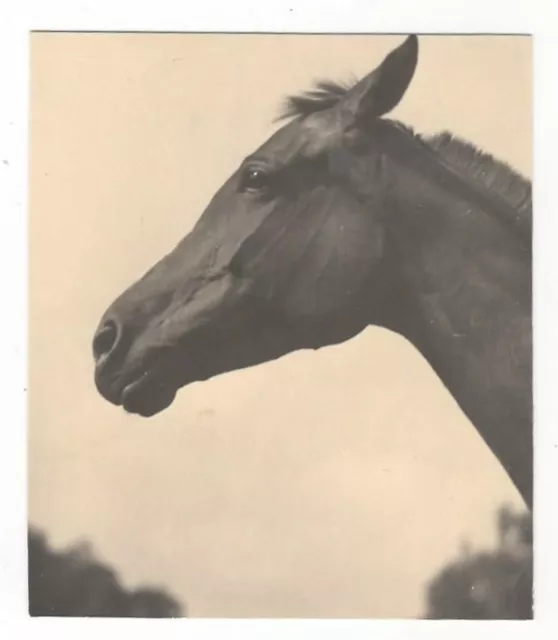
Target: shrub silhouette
<point x="489" y="585"/>
<point x="74" y="583"/>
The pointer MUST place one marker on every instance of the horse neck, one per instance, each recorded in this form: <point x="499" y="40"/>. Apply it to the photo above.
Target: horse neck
<point x="463" y="298"/>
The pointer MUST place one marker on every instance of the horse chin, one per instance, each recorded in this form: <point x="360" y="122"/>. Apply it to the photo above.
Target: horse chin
<point x="148" y="396"/>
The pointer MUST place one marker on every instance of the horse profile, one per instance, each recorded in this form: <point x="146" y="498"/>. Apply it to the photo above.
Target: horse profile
<point x="343" y="219"/>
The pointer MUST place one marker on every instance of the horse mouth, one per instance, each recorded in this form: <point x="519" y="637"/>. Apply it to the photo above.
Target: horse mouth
<point x="147" y="396"/>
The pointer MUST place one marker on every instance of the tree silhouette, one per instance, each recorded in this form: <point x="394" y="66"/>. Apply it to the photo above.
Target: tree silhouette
<point x="489" y="585"/>
<point x="74" y="583"/>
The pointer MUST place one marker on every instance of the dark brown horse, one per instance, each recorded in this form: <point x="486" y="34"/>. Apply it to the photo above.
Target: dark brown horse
<point x="344" y="219"/>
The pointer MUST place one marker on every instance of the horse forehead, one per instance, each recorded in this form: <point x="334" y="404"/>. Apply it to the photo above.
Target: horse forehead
<point x="307" y="137"/>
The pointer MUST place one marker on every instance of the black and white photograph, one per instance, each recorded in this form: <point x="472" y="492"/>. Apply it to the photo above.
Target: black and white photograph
<point x="280" y="326"/>
<point x="279" y="309"/>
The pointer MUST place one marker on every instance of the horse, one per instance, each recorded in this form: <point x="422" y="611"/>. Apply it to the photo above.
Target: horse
<point x="342" y="219"/>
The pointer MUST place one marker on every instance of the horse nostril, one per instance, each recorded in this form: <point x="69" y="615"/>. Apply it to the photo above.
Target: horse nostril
<point x="105" y="340"/>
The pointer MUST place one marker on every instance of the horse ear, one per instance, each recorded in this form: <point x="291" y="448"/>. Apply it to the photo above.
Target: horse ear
<point x="382" y="89"/>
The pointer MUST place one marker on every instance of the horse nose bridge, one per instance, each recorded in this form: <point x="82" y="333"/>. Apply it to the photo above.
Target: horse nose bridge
<point x="133" y="312"/>
<point x="139" y="310"/>
<point x="121" y="321"/>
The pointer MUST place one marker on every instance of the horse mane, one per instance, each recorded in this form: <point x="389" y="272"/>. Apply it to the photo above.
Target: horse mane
<point x="479" y="166"/>
<point x="323" y="95"/>
<point x="474" y="164"/>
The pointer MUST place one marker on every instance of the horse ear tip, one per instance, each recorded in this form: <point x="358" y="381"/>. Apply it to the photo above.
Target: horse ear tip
<point x="412" y="41"/>
<point x="409" y="48"/>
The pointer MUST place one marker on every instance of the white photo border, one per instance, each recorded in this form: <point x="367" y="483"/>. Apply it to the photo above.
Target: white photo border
<point x="17" y="20"/>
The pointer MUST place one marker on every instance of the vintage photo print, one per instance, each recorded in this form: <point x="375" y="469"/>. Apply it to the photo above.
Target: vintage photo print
<point x="280" y="326"/>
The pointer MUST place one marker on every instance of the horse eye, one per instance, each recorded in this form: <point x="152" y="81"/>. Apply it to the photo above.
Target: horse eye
<point x="254" y="179"/>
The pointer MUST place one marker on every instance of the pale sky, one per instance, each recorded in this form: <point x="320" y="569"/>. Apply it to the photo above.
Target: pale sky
<point x="324" y="484"/>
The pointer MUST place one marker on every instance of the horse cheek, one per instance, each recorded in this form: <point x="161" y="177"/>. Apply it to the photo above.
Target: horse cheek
<point x="333" y="275"/>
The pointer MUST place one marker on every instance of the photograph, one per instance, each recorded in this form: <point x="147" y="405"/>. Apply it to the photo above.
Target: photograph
<point x="280" y="326"/>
